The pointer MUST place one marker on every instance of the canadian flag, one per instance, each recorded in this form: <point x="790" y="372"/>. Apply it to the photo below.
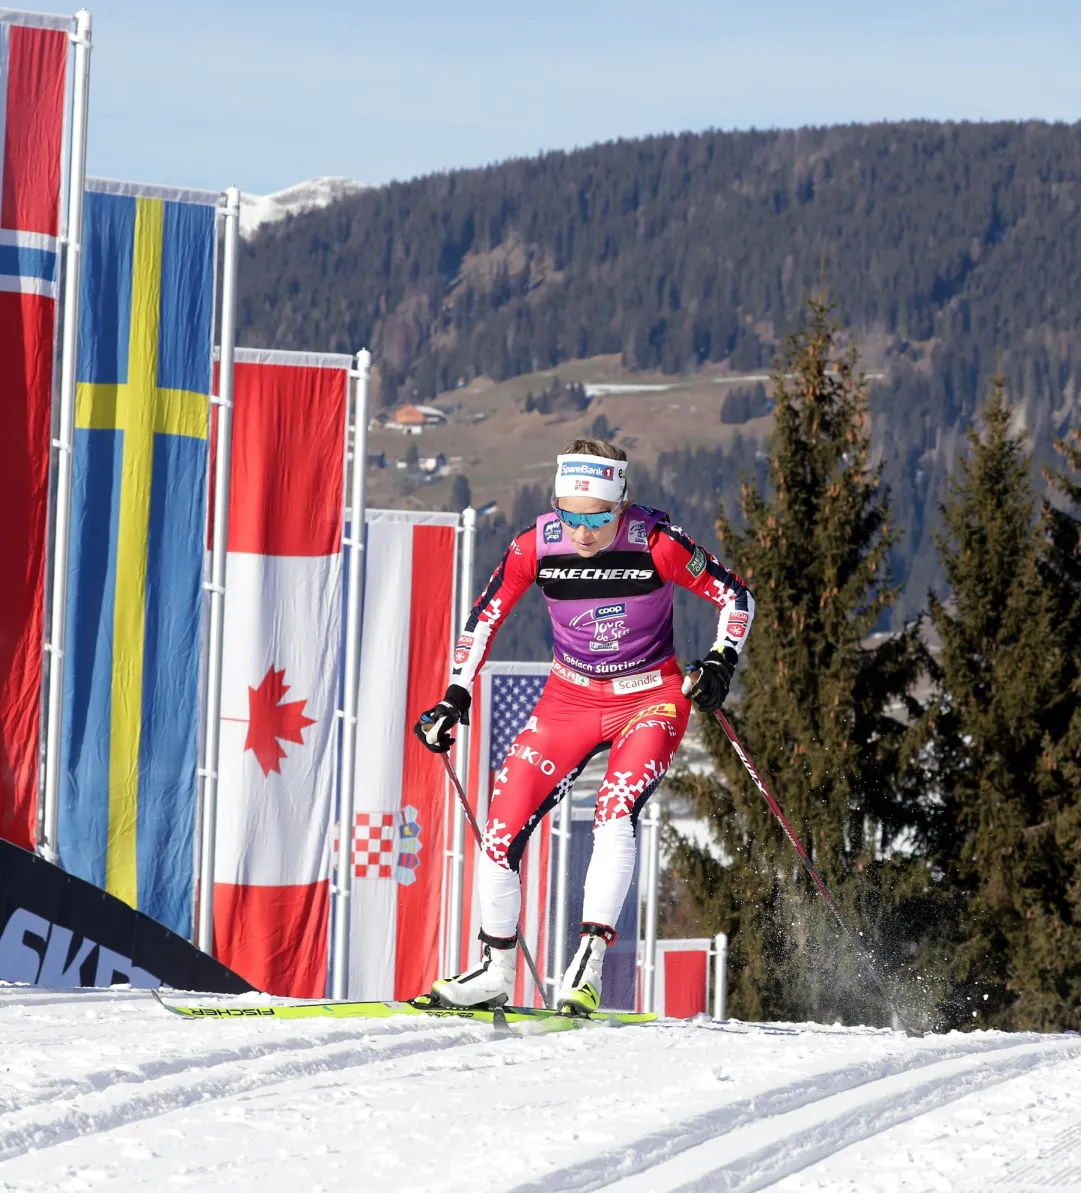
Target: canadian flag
<point x="402" y="800"/>
<point x="281" y="668"/>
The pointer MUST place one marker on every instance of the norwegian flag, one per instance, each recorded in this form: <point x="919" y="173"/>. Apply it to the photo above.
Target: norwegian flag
<point x="503" y="701"/>
<point x="282" y="662"/>
<point x="33" y="64"/>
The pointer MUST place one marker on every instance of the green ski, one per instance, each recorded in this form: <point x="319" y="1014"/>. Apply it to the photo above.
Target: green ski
<point x="520" y="1020"/>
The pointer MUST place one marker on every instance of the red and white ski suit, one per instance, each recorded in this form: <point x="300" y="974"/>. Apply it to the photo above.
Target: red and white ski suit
<point x="614" y="682"/>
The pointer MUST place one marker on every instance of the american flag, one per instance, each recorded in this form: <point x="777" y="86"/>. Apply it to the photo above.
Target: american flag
<point x="503" y="702"/>
<point x="513" y="700"/>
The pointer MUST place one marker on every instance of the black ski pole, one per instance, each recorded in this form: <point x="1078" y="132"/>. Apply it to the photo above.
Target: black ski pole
<point x="816" y="878"/>
<point x="477" y="833"/>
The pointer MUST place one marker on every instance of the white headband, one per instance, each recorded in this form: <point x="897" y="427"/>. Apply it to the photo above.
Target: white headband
<point x="591" y="476"/>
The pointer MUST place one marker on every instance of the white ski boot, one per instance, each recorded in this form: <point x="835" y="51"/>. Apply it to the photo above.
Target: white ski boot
<point x="490" y="985"/>
<point x="580" y="992"/>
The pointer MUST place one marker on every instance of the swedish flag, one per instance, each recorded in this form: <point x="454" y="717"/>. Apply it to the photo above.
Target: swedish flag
<point x="131" y="682"/>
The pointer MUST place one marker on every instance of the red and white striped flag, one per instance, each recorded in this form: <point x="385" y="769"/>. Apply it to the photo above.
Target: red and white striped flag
<point x="281" y="667"/>
<point x="401" y="800"/>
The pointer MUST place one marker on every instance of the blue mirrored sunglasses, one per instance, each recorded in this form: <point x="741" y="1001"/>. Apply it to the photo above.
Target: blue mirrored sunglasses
<point x="589" y="521"/>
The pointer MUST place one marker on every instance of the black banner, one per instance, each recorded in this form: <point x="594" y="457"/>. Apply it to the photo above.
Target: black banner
<point x="56" y="930"/>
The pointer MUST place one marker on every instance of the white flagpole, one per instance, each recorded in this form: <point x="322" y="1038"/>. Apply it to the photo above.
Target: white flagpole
<point x="720" y="975"/>
<point x="563" y="862"/>
<point x="223" y="401"/>
<point x="456" y="908"/>
<point x="64" y="442"/>
<point x="353" y="631"/>
<point x="653" y="866"/>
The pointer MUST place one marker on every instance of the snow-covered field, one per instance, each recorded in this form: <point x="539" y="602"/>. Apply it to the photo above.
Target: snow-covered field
<point x="105" y="1090"/>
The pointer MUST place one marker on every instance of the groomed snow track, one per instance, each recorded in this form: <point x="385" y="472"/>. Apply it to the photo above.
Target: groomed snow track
<point x="103" y="1090"/>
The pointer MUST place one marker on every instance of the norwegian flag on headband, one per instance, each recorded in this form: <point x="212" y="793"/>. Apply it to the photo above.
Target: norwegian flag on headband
<point x="33" y="64"/>
<point x="503" y="701"/>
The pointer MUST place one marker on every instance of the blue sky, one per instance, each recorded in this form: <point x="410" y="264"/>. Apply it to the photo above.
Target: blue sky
<point x="201" y="93"/>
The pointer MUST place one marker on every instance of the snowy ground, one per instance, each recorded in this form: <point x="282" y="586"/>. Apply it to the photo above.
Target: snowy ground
<point x="104" y="1090"/>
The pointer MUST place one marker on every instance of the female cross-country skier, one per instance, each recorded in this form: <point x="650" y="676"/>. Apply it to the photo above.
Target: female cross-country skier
<point x="607" y="570"/>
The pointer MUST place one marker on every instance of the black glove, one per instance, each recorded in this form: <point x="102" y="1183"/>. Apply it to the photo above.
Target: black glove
<point x="710" y="690"/>
<point x="435" y="725"/>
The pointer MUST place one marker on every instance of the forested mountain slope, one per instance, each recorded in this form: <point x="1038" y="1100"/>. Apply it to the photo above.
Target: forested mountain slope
<point x="945" y="246"/>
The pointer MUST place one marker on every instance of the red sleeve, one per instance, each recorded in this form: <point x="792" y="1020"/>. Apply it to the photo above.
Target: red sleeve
<point x="680" y="560"/>
<point x="510" y="580"/>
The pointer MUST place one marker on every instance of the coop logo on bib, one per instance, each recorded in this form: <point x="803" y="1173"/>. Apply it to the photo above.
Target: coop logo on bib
<point x="606" y="623"/>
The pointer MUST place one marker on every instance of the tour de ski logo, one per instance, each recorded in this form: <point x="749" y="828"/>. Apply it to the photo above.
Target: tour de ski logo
<point x="272" y="720"/>
<point x="606" y="623"/>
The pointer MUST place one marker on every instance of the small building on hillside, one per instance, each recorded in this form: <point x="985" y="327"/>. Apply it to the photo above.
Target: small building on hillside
<point x="413" y="418"/>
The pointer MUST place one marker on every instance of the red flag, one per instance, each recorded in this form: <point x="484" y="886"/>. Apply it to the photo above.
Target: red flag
<point x="33" y="62"/>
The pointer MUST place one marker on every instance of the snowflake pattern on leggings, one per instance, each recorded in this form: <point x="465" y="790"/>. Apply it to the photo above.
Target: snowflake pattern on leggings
<point x="618" y="795"/>
<point x="561" y="790"/>
<point x="496" y="843"/>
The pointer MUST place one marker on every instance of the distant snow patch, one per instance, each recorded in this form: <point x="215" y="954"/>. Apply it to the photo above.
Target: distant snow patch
<point x="258" y="210"/>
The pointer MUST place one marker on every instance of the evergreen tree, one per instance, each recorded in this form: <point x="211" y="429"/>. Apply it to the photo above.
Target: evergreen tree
<point x="1003" y="677"/>
<point x="1063" y="571"/>
<point x="460" y="494"/>
<point x="823" y="712"/>
<point x="1062" y="555"/>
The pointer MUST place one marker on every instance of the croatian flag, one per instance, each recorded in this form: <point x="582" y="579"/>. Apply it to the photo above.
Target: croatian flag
<point x="33" y="63"/>
<point x="281" y="667"/>
<point x="504" y="698"/>
<point x="402" y="800"/>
